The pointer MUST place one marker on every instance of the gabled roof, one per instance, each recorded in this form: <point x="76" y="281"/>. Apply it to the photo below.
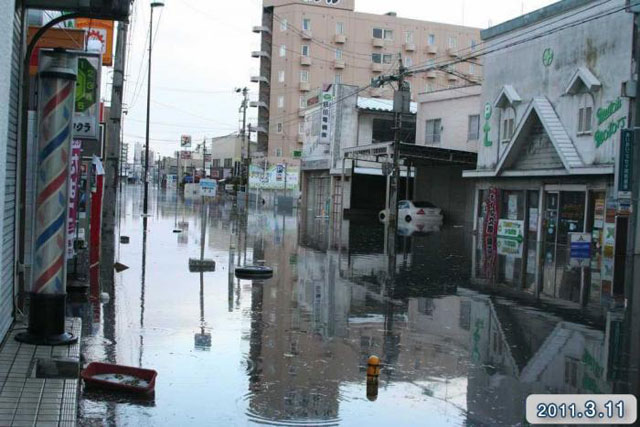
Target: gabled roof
<point x="508" y="96"/>
<point x="555" y="130"/>
<point x="583" y="77"/>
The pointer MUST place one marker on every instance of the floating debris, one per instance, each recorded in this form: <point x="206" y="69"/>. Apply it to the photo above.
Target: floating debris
<point x="119" y="267"/>
<point x="254" y="272"/>
<point x="123" y="379"/>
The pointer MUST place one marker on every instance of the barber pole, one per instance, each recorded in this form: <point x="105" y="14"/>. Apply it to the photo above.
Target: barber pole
<point x="48" y="285"/>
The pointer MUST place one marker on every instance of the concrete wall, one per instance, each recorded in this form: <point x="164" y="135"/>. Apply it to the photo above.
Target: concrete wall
<point x="603" y="45"/>
<point x="444" y="187"/>
<point x="226" y="147"/>
<point x="453" y="107"/>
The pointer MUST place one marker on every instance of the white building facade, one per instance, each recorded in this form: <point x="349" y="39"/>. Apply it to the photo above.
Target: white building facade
<point x="555" y="99"/>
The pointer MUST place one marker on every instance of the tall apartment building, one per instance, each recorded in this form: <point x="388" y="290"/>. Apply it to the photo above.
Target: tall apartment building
<point x="308" y="43"/>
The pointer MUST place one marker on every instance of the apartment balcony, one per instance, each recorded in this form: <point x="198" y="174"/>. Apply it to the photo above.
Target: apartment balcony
<point x="258" y="29"/>
<point x="339" y="64"/>
<point x="306" y="35"/>
<point x="377" y="42"/>
<point x="305" y="60"/>
<point x="432" y="49"/>
<point x="258" y="104"/>
<point x="305" y="87"/>
<point x="301" y="113"/>
<point x="300" y="139"/>
<point x="340" y="39"/>
<point x="260" y="54"/>
<point x="410" y="47"/>
<point x="453" y="52"/>
<point x="259" y="79"/>
<point x="376" y="68"/>
<point x="432" y="74"/>
<point x="452" y="77"/>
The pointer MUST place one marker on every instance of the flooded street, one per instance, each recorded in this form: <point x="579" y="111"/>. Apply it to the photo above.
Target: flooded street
<point x="293" y="350"/>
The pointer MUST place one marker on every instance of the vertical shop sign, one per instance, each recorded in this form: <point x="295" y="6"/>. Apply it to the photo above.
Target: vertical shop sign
<point x="74" y="173"/>
<point x="490" y="233"/>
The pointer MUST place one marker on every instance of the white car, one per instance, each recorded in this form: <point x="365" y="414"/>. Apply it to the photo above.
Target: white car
<point x="418" y="211"/>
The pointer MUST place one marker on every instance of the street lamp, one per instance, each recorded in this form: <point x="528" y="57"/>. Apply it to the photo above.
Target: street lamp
<point x="154" y="4"/>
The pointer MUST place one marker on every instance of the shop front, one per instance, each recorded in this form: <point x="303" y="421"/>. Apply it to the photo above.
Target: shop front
<point x="553" y="240"/>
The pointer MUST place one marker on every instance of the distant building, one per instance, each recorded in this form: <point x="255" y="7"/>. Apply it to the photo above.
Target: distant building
<point x="306" y="45"/>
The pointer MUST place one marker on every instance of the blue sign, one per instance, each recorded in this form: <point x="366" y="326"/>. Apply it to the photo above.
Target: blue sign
<point x="580" y="245"/>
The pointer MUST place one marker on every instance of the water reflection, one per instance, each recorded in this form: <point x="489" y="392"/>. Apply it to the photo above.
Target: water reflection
<point x="293" y="350"/>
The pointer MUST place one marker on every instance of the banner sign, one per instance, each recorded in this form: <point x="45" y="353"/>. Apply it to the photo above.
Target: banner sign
<point x="208" y="187"/>
<point x="185" y="141"/>
<point x="99" y="31"/>
<point x="273" y="177"/>
<point x="326" y="114"/>
<point x="511" y="229"/>
<point x="74" y="173"/>
<point x="625" y="174"/>
<point x="87" y="102"/>
<point x="185" y="155"/>
<point x="490" y="231"/>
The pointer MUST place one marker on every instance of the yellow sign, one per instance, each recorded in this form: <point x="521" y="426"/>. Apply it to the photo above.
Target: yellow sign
<point x="101" y="31"/>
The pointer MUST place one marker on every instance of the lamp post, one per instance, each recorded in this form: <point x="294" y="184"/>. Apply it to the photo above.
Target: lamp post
<point x="154" y="4"/>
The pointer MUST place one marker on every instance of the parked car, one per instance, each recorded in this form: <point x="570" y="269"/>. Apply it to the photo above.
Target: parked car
<point x="410" y="211"/>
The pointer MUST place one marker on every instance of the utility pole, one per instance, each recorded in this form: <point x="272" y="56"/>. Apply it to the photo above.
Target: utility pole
<point x="401" y="101"/>
<point x="154" y="4"/>
<point x="112" y="159"/>
<point x="204" y="154"/>
<point x="245" y="143"/>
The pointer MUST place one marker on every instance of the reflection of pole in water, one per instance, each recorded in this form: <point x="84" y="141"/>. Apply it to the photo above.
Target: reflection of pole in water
<point x="142" y="286"/>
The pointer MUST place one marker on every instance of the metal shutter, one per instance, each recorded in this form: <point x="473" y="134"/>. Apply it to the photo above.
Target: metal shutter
<point x="9" y="208"/>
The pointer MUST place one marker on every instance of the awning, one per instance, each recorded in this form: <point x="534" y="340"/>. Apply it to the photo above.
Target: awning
<point x="416" y="154"/>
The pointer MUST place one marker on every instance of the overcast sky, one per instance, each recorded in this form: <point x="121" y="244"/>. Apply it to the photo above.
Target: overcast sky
<point x="202" y="51"/>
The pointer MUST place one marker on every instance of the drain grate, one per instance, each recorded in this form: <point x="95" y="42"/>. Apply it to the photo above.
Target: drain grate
<point x="61" y="368"/>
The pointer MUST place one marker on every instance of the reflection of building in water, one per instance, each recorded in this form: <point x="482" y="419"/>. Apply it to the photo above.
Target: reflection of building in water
<point x="518" y="351"/>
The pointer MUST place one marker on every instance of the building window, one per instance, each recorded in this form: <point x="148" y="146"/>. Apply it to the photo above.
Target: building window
<point x="408" y="61"/>
<point x="338" y="79"/>
<point x="378" y="58"/>
<point x="339" y="28"/>
<point x="279" y="128"/>
<point x="428" y="87"/>
<point x="474" y="44"/>
<point x="304" y="76"/>
<point x="283" y="24"/>
<point x="408" y="37"/>
<point x="339" y="54"/>
<point x="379" y="33"/>
<point x="281" y="101"/>
<point x="301" y="128"/>
<point x="306" y="24"/>
<point x="472" y="69"/>
<point x="278" y="152"/>
<point x="281" y="76"/>
<point x="585" y="114"/>
<point x="215" y="163"/>
<point x="304" y="50"/>
<point x="508" y="123"/>
<point x="283" y="51"/>
<point x="453" y="43"/>
<point x="434" y="130"/>
<point x="474" y="128"/>
<point x="431" y="40"/>
<point x="431" y="62"/>
<point x="228" y="163"/>
<point x="303" y="102"/>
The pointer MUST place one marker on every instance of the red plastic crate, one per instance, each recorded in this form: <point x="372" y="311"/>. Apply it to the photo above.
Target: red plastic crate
<point x="97" y="368"/>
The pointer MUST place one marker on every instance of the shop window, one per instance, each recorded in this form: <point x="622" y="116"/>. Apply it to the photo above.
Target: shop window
<point x="382" y="130"/>
<point x="228" y="163"/>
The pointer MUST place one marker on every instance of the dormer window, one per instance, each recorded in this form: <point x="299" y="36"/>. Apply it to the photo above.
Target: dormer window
<point x="583" y="86"/>
<point x="506" y="102"/>
<point x="585" y="114"/>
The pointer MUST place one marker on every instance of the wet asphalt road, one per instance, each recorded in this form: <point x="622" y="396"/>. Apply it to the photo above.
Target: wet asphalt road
<point x="292" y="350"/>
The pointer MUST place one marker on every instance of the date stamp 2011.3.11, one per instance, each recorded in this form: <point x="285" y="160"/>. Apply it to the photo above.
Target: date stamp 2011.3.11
<point x="582" y="409"/>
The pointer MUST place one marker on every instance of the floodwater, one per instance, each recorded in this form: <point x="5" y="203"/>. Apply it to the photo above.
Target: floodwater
<point x="293" y="350"/>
